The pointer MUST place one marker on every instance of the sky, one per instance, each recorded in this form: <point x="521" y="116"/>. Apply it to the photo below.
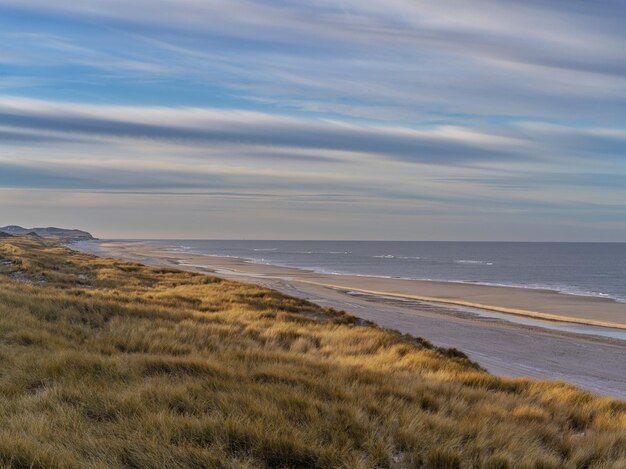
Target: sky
<point x="315" y="119"/>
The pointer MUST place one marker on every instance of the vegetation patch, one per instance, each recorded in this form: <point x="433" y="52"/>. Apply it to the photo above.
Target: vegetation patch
<point x="105" y="363"/>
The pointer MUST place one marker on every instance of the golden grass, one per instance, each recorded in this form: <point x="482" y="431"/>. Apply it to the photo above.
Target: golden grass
<point x="107" y="363"/>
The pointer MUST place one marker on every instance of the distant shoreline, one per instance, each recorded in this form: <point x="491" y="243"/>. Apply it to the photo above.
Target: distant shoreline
<point x="554" y="282"/>
<point x="542" y="304"/>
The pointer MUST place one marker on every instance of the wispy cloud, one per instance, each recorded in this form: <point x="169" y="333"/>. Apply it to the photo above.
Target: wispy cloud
<point x="400" y="59"/>
<point x="197" y="126"/>
<point x="209" y="127"/>
<point x="57" y="145"/>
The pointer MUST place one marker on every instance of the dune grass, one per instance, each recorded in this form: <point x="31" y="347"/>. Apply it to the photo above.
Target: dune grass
<point x="107" y="363"/>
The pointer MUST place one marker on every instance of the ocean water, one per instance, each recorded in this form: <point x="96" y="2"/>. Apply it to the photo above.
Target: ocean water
<point x="586" y="269"/>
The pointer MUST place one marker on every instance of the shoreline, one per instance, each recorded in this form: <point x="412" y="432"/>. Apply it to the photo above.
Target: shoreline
<point x="538" y="288"/>
<point x="514" y="301"/>
<point x="429" y="299"/>
<point x="504" y="344"/>
<point x="541" y="304"/>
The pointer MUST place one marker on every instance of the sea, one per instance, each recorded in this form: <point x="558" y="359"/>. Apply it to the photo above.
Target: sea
<point x="584" y="269"/>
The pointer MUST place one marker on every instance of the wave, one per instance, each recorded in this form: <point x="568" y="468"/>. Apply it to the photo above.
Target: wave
<point x="321" y="252"/>
<point x="470" y="261"/>
<point x="177" y="249"/>
<point x="391" y="256"/>
<point x="562" y="289"/>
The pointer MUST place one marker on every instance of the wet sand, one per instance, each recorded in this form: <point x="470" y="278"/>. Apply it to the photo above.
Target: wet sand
<point x="548" y="335"/>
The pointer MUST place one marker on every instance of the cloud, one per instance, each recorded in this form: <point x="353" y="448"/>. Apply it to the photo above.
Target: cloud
<point x="247" y="134"/>
<point x="179" y="143"/>
<point x="440" y="145"/>
<point x="530" y="32"/>
<point x="404" y="60"/>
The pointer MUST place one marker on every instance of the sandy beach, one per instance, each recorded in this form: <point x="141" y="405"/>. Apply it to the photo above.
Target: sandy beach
<point x="509" y="331"/>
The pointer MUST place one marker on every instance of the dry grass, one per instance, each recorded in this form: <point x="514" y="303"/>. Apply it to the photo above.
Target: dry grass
<point x="111" y="364"/>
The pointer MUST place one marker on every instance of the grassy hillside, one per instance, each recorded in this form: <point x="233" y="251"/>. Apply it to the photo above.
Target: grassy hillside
<point x="111" y="364"/>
